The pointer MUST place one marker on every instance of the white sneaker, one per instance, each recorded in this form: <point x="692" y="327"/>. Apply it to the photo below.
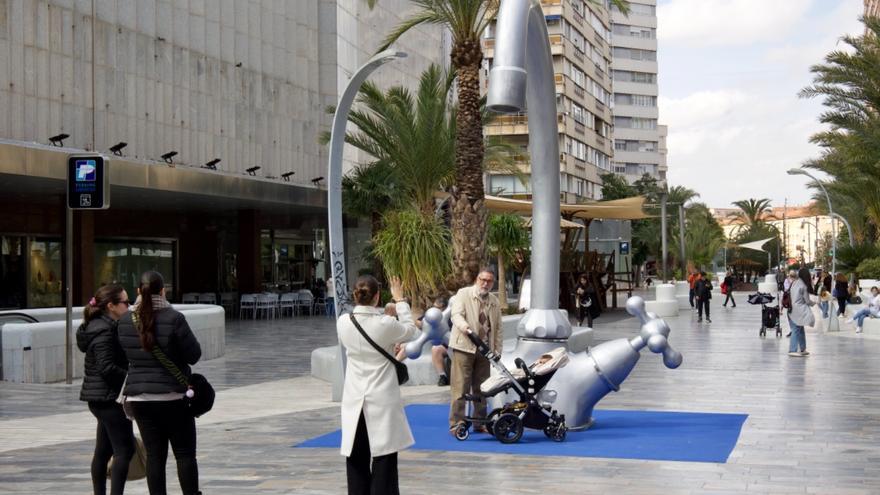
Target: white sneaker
<point x="850" y="320"/>
<point x="795" y="354"/>
<point x="858" y="329"/>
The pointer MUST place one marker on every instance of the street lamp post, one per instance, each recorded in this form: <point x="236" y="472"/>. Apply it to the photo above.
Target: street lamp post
<point x="800" y="171"/>
<point x="334" y="199"/>
<point x="833" y="324"/>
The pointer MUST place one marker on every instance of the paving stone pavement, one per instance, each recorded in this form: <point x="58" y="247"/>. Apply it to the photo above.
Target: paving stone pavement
<point x="813" y="426"/>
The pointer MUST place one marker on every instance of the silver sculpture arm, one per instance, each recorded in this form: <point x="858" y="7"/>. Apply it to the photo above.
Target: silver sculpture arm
<point x="654" y="333"/>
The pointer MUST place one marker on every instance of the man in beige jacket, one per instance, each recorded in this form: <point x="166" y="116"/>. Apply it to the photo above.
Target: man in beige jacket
<point x="475" y="310"/>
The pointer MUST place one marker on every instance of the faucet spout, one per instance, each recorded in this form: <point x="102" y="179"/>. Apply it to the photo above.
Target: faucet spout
<point x="507" y="79"/>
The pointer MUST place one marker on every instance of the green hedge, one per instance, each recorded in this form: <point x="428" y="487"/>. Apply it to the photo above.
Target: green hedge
<point x="869" y="268"/>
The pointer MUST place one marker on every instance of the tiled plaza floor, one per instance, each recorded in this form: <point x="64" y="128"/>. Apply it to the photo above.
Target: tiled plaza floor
<point x="813" y="426"/>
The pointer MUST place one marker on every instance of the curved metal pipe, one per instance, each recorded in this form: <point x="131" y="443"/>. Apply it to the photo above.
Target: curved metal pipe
<point x="522" y="76"/>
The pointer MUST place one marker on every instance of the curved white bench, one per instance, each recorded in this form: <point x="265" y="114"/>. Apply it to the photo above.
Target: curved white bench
<point x="34" y="352"/>
<point x="665" y="304"/>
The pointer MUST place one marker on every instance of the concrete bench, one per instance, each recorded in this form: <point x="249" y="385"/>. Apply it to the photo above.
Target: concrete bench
<point x="665" y="303"/>
<point x="34" y="352"/>
<point x="683" y="294"/>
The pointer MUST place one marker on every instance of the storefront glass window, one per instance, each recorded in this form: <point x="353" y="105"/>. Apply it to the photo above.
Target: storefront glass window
<point x="12" y="272"/>
<point x="44" y="284"/>
<point x="123" y="262"/>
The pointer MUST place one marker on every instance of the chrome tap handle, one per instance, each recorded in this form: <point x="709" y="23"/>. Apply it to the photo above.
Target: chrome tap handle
<point x="654" y="333"/>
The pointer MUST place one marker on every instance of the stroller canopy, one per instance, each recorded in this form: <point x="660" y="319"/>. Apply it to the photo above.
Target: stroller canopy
<point x="548" y="362"/>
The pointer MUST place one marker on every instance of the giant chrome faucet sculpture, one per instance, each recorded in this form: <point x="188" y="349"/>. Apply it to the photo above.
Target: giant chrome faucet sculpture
<point x="522" y="77"/>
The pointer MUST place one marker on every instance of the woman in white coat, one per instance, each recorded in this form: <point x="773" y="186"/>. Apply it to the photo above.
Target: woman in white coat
<point x="374" y="426"/>
<point x="801" y="313"/>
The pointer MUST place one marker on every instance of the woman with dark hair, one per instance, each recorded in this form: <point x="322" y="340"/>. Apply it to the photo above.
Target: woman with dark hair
<point x="801" y="313"/>
<point x="583" y="301"/>
<point x="105" y="370"/>
<point x="157" y="397"/>
<point x="841" y="293"/>
<point x="374" y="426"/>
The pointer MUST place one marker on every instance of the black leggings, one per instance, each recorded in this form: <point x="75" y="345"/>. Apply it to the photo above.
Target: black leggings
<point x="114" y="438"/>
<point x="161" y="422"/>
<point x="703" y="304"/>
<point x="382" y="479"/>
<point x="841" y="305"/>
<point x="584" y="314"/>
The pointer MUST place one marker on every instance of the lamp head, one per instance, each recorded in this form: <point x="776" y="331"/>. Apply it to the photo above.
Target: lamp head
<point x="796" y="171"/>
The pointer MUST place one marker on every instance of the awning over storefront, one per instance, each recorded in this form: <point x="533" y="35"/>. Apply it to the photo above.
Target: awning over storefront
<point x="563" y="224"/>
<point x="618" y="209"/>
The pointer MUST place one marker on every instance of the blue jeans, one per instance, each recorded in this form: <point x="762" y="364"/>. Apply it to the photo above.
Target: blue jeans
<point x="860" y="316"/>
<point x="823" y="305"/>
<point x="798" y="337"/>
<point x="330" y="307"/>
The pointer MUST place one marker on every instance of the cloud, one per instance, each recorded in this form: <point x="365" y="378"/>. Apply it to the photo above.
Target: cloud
<point x="729" y="22"/>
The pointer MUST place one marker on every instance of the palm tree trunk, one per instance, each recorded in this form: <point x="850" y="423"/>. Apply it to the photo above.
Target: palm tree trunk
<point x="502" y="284"/>
<point x="469" y="213"/>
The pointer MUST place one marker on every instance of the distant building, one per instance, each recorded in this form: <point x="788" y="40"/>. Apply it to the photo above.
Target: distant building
<point x="799" y="224"/>
<point x="639" y="141"/>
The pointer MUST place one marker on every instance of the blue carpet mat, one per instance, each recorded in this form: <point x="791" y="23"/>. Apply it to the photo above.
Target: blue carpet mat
<point x="651" y="435"/>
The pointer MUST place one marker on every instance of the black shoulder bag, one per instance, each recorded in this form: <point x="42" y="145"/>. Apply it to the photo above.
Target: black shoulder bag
<point x="402" y="371"/>
<point x="203" y="394"/>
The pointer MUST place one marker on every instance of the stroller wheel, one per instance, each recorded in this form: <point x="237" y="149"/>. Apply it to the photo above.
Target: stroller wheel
<point x="559" y="436"/>
<point x="508" y="428"/>
<point x="462" y="432"/>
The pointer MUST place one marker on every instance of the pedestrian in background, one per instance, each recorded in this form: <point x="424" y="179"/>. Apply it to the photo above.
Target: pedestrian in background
<point x="374" y="425"/>
<point x="872" y="310"/>
<point x="702" y="295"/>
<point x="692" y="282"/>
<point x="105" y="370"/>
<point x="728" y="287"/>
<point x="801" y="315"/>
<point x="156" y="396"/>
<point x="841" y="293"/>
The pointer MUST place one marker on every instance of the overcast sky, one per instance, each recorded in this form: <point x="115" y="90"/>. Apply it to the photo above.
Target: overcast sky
<point x="730" y="71"/>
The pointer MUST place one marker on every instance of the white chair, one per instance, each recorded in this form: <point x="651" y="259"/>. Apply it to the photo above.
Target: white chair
<point x="288" y="301"/>
<point x="208" y="298"/>
<point x="305" y="301"/>
<point x="274" y="303"/>
<point x="265" y="305"/>
<point x="248" y="303"/>
<point x="191" y="298"/>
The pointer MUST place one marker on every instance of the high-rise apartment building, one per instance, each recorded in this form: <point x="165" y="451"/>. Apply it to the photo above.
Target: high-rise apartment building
<point x="580" y="40"/>
<point x="639" y="142"/>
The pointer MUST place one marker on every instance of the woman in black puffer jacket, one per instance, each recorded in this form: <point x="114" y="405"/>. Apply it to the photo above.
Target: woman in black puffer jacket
<point x="156" y="395"/>
<point x="105" y="369"/>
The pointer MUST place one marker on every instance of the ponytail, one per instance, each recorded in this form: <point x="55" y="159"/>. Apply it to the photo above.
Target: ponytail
<point x="97" y="305"/>
<point x="151" y="285"/>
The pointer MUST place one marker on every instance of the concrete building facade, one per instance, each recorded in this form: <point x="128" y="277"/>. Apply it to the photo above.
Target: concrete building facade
<point x="580" y="36"/>
<point x="872" y="8"/>
<point x="639" y="142"/>
<point x="244" y="81"/>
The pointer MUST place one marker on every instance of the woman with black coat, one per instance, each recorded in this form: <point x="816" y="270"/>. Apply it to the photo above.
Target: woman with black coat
<point x="841" y="292"/>
<point x="105" y="370"/>
<point x="156" y="396"/>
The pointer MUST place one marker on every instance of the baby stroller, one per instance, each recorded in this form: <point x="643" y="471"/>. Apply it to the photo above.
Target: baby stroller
<point x="532" y="409"/>
<point x="769" y="314"/>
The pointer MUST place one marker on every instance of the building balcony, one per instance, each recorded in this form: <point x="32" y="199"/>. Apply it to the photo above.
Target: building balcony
<point x="636" y="111"/>
<point x="634" y="42"/>
<point x="635" y="65"/>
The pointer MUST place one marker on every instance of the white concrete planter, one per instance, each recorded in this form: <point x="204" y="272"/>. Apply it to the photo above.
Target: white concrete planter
<point x="34" y="352"/>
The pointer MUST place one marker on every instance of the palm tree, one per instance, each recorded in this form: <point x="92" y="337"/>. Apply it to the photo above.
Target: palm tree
<point x="507" y="235"/>
<point x="848" y="82"/>
<point x="466" y="20"/>
<point x="753" y="213"/>
<point x="704" y="237"/>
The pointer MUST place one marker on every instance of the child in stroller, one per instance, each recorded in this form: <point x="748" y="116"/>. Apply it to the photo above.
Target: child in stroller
<point x="769" y="314"/>
<point x="532" y="409"/>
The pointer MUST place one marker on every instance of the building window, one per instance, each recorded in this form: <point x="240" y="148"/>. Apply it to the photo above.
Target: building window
<point x="634" y="123"/>
<point x="634" y="31"/>
<point x="634" y="76"/>
<point x="635" y="100"/>
<point x="634" y="54"/>
<point x="638" y="9"/>
<point x="506" y="185"/>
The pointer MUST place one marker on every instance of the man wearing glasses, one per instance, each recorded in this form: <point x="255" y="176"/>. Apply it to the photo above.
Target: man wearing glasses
<point x="474" y="309"/>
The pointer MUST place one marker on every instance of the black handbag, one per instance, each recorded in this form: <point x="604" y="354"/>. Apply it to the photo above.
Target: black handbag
<point x="203" y="394"/>
<point x="402" y="371"/>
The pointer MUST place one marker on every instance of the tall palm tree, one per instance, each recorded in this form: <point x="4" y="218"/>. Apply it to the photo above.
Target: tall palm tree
<point x="466" y="20"/>
<point x="848" y="82"/>
<point x="507" y="235"/>
<point x="753" y="213"/>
